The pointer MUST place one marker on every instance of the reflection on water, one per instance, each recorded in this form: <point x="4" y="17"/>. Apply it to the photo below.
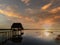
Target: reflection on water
<point x="33" y="38"/>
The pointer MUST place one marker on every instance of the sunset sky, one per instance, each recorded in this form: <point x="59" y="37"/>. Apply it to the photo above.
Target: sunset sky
<point x="31" y="13"/>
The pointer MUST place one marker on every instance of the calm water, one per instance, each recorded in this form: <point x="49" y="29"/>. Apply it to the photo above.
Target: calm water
<point x="33" y="38"/>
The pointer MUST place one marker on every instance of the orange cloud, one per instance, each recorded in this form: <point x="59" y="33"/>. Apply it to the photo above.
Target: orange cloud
<point x="48" y="21"/>
<point x="10" y="14"/>
<point x="15" y="15"/>
<point x="55" y="10"/>
<point x="56" y="17"/>
<point x="46" y="6"/>
<point x="10" y="11"/>
<point x="28" y="19"/>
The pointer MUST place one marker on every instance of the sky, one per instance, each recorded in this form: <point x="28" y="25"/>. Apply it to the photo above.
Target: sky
<point x="38" y="14"/>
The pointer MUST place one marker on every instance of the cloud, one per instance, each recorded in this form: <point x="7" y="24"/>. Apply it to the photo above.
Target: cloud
<point x="10" y="11"/>
<point x="26" y="2"/>
<point x="57" y="17"/>
<point x="45" y="19"/>
<point x="15" y="16"/>
<point x="55" y="10"/>
<point x="30" y="11"/>
<point x="35" y="18"/>
<point x="45" y="7"/>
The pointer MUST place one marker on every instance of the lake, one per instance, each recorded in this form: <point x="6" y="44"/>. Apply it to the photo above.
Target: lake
<point x="33" y="38"/>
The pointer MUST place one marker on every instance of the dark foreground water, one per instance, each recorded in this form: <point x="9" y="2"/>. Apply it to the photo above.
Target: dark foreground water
<point x="27" y="40"/>
<point x="31" y="38"/>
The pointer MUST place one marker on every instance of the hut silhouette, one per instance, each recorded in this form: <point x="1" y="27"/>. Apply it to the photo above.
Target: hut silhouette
<point x="17" y="25"/>
<point x="16" y="38"/>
